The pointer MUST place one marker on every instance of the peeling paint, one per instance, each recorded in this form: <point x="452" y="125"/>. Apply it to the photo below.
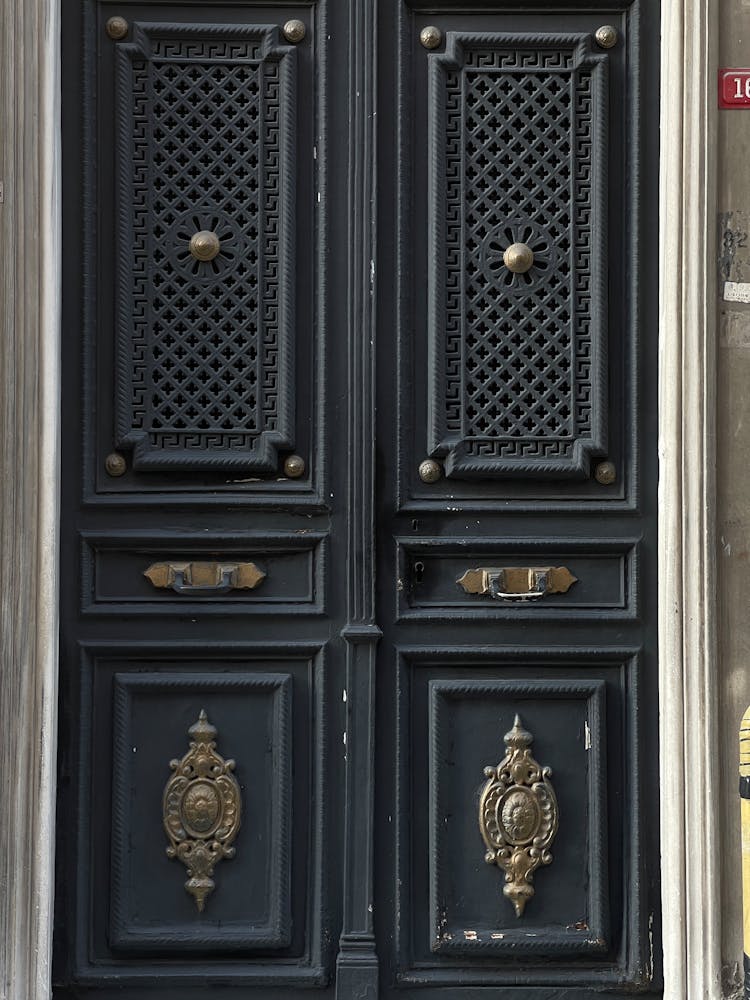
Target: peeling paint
<point x="586" y="735"/>
<point x="442" y="924"/>
<point x="733" y="227"/>
<point x="732" y="983"/>
<point x="471" y="935"/>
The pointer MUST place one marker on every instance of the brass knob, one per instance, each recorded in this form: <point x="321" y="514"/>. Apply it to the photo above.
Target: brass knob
<point x="117" y="27"/>
<point x="294" y="31"/>
<point x="606" y="36"/>
<point x="204" y="245"/>
<point x="518" y="258"/>
<point x="605" y="473"/>
<point x="430" y="36"/>
<point x="430" y="471"/>
<point x="115" y="464"/>
<point x="294" y="466"/>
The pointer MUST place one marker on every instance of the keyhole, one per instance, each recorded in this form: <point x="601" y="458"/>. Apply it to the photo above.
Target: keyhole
<point x="418" y="571"/>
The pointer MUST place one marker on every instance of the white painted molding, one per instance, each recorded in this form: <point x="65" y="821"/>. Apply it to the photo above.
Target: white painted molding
<point x="29" y="408"/>
<point x="690" y="850"/>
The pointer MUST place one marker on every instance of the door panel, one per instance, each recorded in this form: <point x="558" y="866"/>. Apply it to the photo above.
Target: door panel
<point x="255" y="902"/>
<point x="197" y="523"/>
<point x="198" y="120"/>
<point x="581" y="926"/>
<point x="206" y="136"/>
<point x="574" y="916"/>
<point x="606" y="578"/>
<point x="518" y="127"/>
<point x="358" y="646"/>
<point x="521" y="448"/>
<point x="259" y="921"/>
<point x="114" y="570"/>
<point x="517" y="134"/>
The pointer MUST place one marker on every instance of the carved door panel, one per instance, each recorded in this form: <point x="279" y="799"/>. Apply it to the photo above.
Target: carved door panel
<point x="357" y="501"/>
<point x="198" y="785"/>
<point x="517" y="512"/>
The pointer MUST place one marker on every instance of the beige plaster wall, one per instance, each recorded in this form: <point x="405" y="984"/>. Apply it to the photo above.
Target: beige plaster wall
<point x="733" y="469"/>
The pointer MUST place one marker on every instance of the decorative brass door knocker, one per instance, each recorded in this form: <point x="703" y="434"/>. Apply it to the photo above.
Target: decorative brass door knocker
<point x="518" y="816"/>
<point x="201" y="809"/>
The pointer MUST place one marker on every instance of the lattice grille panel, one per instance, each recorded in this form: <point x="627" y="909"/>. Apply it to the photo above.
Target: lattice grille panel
<point x="205" y="347"/>
<point x="518" y="127"/>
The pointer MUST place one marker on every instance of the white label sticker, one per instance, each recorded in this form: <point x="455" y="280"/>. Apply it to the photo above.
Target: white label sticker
<point x="737" y="291"/>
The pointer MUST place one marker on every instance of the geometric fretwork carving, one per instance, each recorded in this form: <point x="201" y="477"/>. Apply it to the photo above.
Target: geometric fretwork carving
<point x="518" y="373"/>
<point x="206" y="118"/>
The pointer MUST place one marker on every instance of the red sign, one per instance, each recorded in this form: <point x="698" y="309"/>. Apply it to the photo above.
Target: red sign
<point x="734" y="88"/>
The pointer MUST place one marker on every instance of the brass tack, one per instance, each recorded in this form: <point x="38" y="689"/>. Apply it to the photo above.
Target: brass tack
<point x="294" y="466"/>
<point x="115" y="464"/>
<point x="294" y="31"/>
<point x="605" y="473"/>
<point x="430" y="471"/>
<point x="430" y="36"/>
<point x="117" y="27"/>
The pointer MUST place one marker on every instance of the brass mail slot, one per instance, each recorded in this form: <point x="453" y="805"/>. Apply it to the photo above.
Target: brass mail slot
<point x="517" y="583"/>
<point x="205" y="577"/>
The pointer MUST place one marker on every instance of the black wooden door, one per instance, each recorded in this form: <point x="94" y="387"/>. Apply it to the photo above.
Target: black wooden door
<point x="358" y="640"/>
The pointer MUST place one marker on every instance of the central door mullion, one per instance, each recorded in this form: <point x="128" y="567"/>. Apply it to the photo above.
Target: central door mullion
<point x="357" y="964"/>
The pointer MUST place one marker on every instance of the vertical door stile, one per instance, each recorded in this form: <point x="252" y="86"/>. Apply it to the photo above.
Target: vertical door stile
<point x="357" y="964"/>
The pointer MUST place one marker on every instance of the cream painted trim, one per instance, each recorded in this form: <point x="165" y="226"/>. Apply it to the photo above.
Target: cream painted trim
<point x="29" y="408"/>
<point x="690" y="843"/>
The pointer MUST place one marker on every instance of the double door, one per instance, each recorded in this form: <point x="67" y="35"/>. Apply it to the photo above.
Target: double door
<point x="358" y="625"/>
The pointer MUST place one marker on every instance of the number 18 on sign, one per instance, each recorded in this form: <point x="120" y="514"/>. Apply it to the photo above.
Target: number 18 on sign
<point x="734" y="88"/>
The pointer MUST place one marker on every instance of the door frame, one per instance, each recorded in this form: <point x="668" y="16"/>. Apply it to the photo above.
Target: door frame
<point x="30" y="345"/>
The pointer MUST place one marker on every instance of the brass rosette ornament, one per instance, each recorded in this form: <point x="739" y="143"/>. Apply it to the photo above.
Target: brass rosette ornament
<point x="518" y="816"/>
<point x="202" y="809"/>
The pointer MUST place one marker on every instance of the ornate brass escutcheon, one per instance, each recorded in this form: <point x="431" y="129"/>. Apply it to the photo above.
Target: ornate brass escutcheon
<point x="518" y="816"/>
<point x="202" y="809"/>
<point x="517" y="583"/>
<point x="204" y="578"/>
